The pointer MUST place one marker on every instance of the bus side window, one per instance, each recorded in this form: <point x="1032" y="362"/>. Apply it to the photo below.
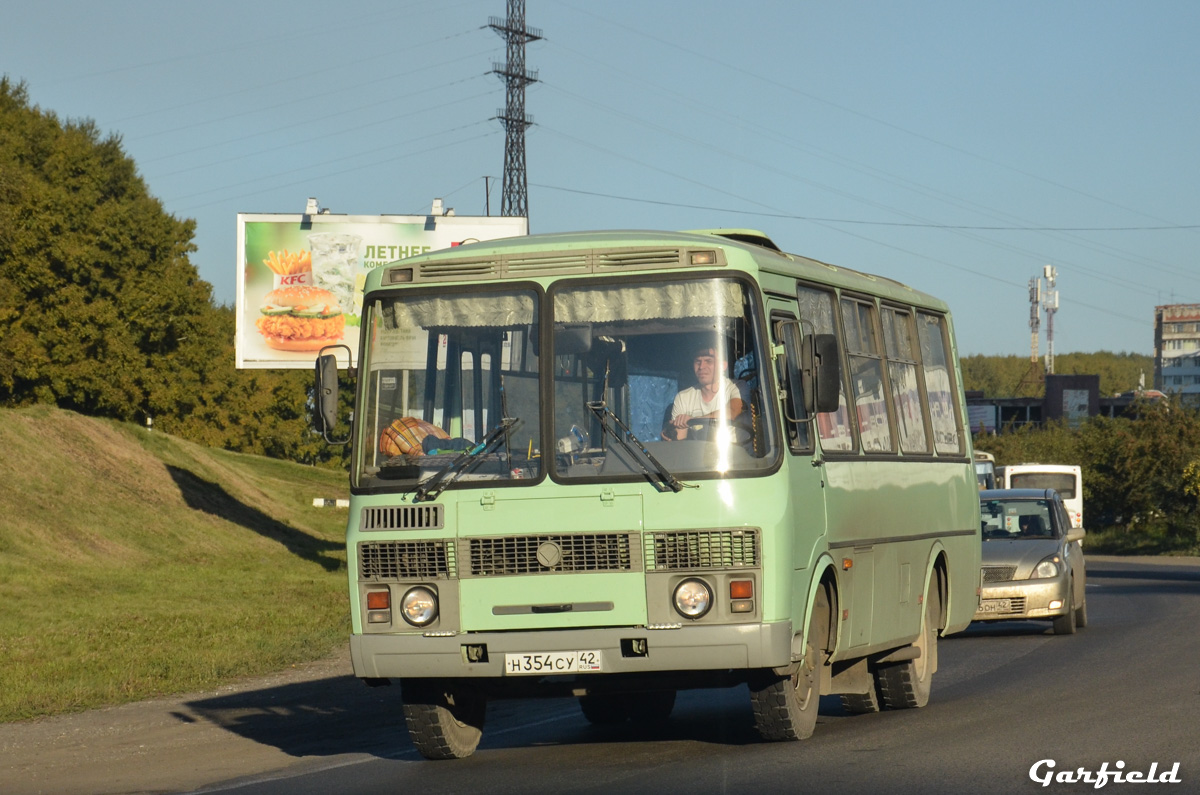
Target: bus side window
<point x="816" y="307"/>
<point x="794" y="415"/>
<point x="868" y="382"/>
<point x="939" y="384"/>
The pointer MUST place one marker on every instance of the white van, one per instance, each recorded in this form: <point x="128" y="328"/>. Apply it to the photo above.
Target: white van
<point x="1063" y="478"/>
<point x="985" y="470"/>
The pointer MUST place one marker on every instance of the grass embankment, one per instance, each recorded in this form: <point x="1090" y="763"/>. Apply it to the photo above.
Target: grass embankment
<point x="134" y="564"/>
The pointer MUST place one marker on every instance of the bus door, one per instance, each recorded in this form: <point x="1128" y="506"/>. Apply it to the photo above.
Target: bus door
<point x="805" y="477"/>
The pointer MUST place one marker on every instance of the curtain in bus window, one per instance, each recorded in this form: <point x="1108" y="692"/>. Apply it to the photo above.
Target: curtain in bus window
<point x="938" y="384"/>
<point x="900" y="344"/>
<point x="659" y="301"/>
<point x="816" y="307"/>
<point x="495" y="310"/>
<point x="866" y="375"/>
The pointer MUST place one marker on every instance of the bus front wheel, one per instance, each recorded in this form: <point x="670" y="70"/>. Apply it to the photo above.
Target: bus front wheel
<point x="445" y="720"/>
<point x="785" y="708"/>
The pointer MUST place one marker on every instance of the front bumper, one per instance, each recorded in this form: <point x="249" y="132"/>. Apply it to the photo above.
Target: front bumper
<point x="689" y="648"/>
<point x="1027" y="599"/>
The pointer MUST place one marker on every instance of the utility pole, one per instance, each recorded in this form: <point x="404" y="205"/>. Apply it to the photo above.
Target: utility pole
<point x="514" y="185"/>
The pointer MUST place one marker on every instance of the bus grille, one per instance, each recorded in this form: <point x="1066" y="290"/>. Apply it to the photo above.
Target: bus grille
<point x="547" y="554"/>
<point x="404" y="517"/>
<point x="998" y="573"/>
<point x="406" y="560"/>
<point x="702" y="549"/>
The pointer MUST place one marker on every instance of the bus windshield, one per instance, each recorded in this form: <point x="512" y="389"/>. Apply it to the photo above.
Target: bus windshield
<point x="443" y="371"/>
<point x="1063" y="483"/>
<point x="665" y="367"/>
<point x="649" y="379"/>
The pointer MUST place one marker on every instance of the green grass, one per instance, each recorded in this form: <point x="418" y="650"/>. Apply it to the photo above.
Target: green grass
<point x="1143" y="541"/>
<point x="134" y="564"/>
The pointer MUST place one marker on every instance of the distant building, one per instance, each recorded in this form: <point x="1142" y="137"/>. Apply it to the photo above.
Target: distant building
<point x="1177" y="349"/>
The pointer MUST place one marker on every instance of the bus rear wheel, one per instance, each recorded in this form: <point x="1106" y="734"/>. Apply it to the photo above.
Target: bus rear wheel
<point x="906" y="685"/>
<point x="785" y="708"/>
<point x="861" y="703"/>
<point x="445" y="721"/>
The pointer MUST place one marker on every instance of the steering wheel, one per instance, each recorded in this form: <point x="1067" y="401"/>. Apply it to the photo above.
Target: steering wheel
<point x="712" y="429"/>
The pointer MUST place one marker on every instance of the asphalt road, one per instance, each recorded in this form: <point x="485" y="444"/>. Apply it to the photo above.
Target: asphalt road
<point x="1124" y="692"/>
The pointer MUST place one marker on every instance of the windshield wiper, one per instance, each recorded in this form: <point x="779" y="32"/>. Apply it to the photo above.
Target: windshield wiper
<point x="635" y="448"/>
<point x="436" y="483"/>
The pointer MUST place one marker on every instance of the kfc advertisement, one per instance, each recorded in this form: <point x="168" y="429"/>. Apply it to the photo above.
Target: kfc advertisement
<point x="300" y="277"/>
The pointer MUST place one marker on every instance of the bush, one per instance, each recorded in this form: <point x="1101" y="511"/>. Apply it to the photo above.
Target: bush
<point x="1141" y="474"/>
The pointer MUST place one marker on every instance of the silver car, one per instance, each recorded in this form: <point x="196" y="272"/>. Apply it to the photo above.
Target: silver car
<point x="1032" y="560"/>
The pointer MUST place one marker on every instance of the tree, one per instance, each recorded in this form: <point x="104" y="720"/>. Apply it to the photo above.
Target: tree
<point x="95" y="282"/>
<point x="1002" y="376"/>
<point x="102" y="312"/>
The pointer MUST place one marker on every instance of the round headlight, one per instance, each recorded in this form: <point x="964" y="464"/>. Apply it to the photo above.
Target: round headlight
<point x="419" y="606"/>
<point x="693" y="598"/>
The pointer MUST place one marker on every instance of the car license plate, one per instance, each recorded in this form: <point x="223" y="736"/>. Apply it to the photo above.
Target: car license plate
<point x="996" y="606"/>
<point x="552" y="662"/>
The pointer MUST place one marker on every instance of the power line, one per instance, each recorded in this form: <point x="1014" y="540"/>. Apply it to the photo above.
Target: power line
<point x="861" y="222"/>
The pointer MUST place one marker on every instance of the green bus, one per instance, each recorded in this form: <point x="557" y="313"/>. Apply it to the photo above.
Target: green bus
<point x="615" y="465"/>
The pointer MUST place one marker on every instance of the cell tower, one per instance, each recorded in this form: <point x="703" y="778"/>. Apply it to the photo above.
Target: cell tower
<point x="1033" y="377"/>
<point x="514" y="187"/>
<point x="1050" y="304"/>
<point x="1035" y="317"/>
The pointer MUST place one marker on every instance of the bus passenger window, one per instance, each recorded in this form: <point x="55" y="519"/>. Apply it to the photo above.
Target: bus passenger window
<point x="866" y="375"/>
<point x="899" y="338"/>
<point x="816" y="307"/>
<point x="939" y="384"/>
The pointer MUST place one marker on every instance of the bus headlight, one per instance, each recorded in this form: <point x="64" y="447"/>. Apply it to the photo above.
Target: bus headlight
<point x="693" y="598"/>
<point x="419" y="606"/>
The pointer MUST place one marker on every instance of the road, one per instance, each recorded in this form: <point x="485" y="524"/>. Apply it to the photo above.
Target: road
<point x="1124" y="690"/>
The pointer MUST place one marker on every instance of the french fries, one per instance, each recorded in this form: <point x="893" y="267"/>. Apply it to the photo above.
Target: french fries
<point x="287" y="262"/>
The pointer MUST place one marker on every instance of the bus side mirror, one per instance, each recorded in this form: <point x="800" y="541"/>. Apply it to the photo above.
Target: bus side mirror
<point x="325" y="395"/>
<point x="822" y="373"/>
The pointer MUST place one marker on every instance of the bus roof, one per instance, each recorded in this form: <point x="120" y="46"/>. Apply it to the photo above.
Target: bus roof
<point x="1044" y="467"/>
<point x="745" y="249"/>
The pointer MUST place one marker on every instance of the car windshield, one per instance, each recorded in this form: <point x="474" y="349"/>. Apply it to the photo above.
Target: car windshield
<point x="1017" y="519"/>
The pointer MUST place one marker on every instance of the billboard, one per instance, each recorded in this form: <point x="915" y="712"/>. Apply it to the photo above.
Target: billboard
<point x="300" y="277"/>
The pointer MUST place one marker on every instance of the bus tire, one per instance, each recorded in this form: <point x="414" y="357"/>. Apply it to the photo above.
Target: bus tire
<point x="906" y="685"/>
<point x="445" y="721"/>
<point x="1065" y="624"/>
<point x="861" y="703"/>
<point x="785" y="707"/>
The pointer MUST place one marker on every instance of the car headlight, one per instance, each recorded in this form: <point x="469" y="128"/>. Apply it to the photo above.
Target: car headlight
<point x="419" y="606"/>
<point x="693" y="598"/>
<point x="1049" y="567"/>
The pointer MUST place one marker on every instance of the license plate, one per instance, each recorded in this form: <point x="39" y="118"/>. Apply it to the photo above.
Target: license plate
<point x="996" y="606"/>
<point x="552" y="662"/>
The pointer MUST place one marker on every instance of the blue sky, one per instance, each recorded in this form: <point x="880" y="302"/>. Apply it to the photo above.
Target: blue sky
<point x="955" y="146"/>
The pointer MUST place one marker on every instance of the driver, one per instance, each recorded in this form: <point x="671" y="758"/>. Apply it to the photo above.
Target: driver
<point x="714" y="396"/>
